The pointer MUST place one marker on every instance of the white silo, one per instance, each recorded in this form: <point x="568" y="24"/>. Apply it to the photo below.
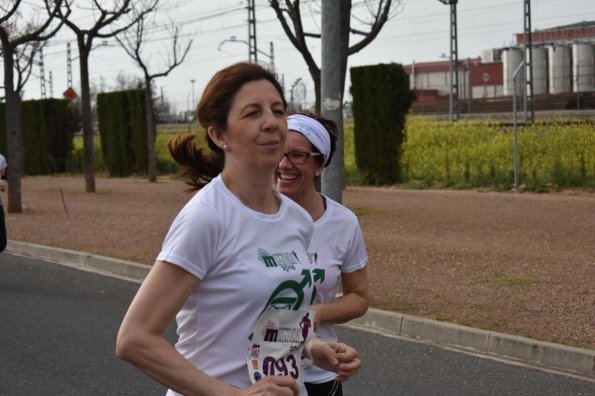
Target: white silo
<point x="511" y="59"/>
<point x="560" y="76"/>
<point x="539" y="60"/>
<point x="583" y="67"/>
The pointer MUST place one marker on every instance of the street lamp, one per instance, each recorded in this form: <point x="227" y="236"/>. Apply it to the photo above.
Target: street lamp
<point x="193" y="100"/>
<point x="271" y="56"/>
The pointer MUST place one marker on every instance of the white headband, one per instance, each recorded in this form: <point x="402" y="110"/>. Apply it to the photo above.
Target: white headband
<point x="313" y="130"/>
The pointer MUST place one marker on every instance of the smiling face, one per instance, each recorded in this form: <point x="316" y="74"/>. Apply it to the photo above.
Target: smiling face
<point x="297" y="181"/>
<point x="256" y="127"/>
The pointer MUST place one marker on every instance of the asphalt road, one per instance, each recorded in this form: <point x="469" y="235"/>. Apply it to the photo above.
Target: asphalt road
<point x="58" y="327"/>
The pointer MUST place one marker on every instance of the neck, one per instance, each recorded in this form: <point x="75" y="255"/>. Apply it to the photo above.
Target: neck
<point x="253" y="188"/>
<point x="310" y="200"/>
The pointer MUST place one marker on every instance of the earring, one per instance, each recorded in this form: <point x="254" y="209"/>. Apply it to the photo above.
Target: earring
<point x="224" y="146"/>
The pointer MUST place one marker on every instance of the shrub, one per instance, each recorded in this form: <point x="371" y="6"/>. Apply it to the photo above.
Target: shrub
<point x="381" y="99"/>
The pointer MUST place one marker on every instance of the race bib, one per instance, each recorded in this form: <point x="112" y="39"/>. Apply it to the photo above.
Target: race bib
<point x="278" y="339"/>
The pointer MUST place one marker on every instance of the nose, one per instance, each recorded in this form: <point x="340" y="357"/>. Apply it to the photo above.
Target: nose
<point x="270" y="121"/>
<point x="285" y="163"/>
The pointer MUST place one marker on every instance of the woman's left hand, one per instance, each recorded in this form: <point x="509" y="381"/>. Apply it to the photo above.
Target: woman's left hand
<point x="336" y="357"/>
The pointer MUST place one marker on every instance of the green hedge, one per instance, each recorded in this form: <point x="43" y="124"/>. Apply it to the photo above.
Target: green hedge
<point x="381" y="99"/>
<point x="47" y="127"/>
<point x="121" y="121"/>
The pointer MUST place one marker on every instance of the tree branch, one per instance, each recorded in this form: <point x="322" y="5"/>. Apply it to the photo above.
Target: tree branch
<point x="380" y="18"/>
<point x="10" y="12"/>
<point x="28" y="55"/>
<point x="298" y="39"/>
<point x="133" y="43"/>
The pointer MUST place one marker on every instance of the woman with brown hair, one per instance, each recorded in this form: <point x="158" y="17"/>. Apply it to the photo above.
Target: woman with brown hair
<point x="232" y="269"/>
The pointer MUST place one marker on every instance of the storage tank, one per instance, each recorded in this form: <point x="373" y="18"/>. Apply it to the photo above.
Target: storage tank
<point x="539" y="60"/>
<point x="511" y="59"/>
<point x="583" y="67"/>
<point x="559" y="63"/>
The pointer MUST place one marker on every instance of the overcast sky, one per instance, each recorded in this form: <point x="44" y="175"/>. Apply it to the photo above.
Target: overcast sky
<point x="419" y="32"/>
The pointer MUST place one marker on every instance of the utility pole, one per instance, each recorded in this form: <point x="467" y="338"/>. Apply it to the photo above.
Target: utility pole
<point x="331" y="106"/>
<point x="68" y="65"/>
<point x="528" y="58"/>
<point x="51" y="82"/>
<point x="453" y="94"/>
<point x="42" y="73"/>
<point x="272" y="56"/>
<point x="252" y="49"/>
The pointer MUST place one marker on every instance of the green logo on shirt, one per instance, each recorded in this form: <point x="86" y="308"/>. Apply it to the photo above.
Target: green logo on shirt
<point x="291" y="294"/>
<point x="287" y="261"/>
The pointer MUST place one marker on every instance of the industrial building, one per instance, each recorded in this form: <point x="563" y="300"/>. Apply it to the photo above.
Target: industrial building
<point x="563" y="69"/>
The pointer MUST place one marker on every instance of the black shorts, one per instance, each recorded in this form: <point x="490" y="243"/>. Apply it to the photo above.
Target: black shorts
<point x="2" y="229"/>
<point x="331" y="388"/>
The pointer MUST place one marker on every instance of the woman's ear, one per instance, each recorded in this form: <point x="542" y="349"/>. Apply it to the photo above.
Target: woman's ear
<point x="217" y="137"/>
<point x="318" y="170"/>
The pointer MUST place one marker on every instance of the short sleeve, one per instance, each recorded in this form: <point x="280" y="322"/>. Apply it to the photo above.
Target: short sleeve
<point x="357" y="256"/>
<point x="192" y="240"/>
<point x="3" y="164"/>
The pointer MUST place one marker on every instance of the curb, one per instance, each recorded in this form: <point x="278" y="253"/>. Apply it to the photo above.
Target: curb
<point x="522" y="349"/>
<point x="539" y="353"/>
<point x="121" y="269"/>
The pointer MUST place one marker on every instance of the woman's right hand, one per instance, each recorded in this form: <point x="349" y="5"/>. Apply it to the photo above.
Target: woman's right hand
<point x="273" y="385"/>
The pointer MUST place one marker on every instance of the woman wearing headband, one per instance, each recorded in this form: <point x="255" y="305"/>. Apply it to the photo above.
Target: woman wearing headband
<point x="337" y="244"/>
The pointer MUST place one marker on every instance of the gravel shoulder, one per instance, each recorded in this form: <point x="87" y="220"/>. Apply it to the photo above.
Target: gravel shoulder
<point x="521" y="264"/>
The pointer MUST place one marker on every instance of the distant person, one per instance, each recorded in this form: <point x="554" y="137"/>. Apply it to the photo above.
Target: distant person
<point x="3" y="187"/>
<point x="233" y="265"/>
<point x="337" y="244"/>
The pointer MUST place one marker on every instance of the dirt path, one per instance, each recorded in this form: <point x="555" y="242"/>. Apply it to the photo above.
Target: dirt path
<point x="516" y="263"/>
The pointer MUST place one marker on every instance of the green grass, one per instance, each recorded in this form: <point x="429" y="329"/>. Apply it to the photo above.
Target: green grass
<point x="469" y="154"/>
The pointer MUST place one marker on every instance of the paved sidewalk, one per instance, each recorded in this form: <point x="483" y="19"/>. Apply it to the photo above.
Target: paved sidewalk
<point x="520" y="349"/>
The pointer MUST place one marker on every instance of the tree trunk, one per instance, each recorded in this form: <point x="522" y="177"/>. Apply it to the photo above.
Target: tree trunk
<point x="315" y="74"/>
<point x="151" y="161"/>
<point x="14" y="139"/>
<point x="345" y="21"/>
<point x="88" y="150"/>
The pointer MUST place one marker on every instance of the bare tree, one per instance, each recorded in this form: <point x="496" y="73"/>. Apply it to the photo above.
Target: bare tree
<point x="106" y="25"/>
<point x="133" y="42"/>
<point x="21" y="40"/>
<point x="367" y="27"/>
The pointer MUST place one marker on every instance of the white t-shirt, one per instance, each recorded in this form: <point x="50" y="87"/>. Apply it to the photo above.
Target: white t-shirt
<point x="3" y="164"/>
<point x="337" y="246"/>
<point x="246" y="261"/>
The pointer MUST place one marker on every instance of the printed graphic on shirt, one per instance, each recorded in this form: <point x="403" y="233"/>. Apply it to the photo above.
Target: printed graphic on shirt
<point x="287" y="261"/>
<point x="291" y="294"/>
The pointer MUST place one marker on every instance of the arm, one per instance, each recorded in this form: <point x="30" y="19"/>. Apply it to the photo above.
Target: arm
<point x="333" y="356"/>
<point x="353" y="304"/>
<point x="141" y="342"/>
<point x="140" y="338"/>
<point x="3" y="180"/>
